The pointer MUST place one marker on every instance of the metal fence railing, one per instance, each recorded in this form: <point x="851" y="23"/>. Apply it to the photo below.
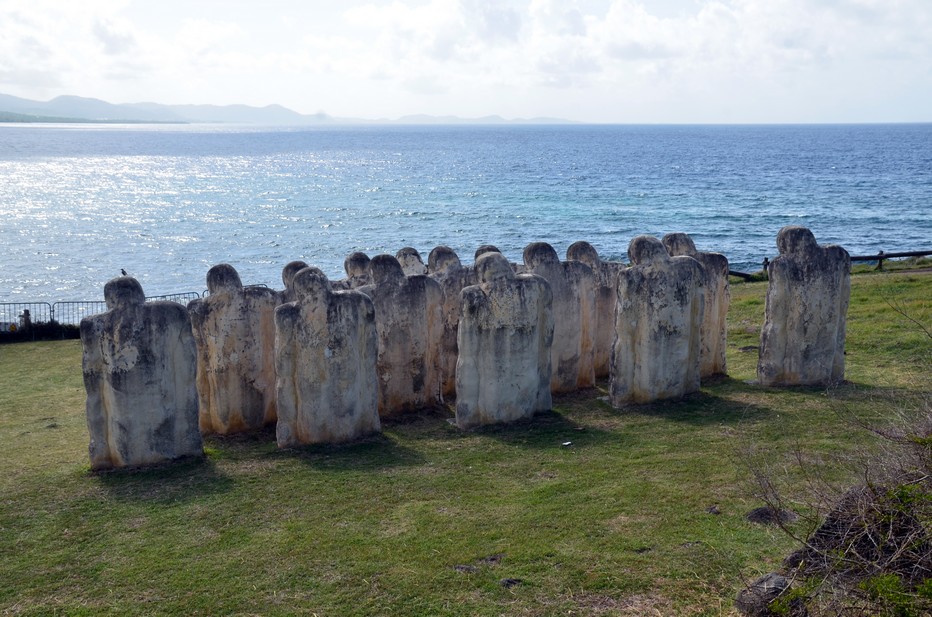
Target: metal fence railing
<point x="71" y="313"/>
<point x="206" y="292"/>
<point x="20" y="315"/>
<point x="181" y="298"/>
<point x="29" y="320"/>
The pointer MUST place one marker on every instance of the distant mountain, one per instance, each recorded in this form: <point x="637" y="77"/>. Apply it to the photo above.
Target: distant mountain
<point x="16" y="105"/>
<point x="81" y="109"/>
<point x="94" y="109"/>
<point x="233" y="114"/>
<point x="76" y="109"/>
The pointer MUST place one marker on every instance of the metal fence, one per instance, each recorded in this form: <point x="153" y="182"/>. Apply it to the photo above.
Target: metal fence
<point x="16" y="316"/>
<point x="181" y="298"/>
<point x="19" y="316"/>
<point x="71" y="313"/>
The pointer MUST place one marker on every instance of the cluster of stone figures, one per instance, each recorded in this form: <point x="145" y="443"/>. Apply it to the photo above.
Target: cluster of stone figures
<point x="325" y="360"/>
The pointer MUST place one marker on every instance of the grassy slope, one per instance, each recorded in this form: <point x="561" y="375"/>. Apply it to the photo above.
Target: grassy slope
<point x="615" y="523"/>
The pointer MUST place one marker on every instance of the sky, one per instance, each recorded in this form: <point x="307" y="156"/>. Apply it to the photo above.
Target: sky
<point x="617" y="61"/>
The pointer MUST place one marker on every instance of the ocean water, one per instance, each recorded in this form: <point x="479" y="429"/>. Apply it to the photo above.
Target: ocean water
<point x="79" y="203"/>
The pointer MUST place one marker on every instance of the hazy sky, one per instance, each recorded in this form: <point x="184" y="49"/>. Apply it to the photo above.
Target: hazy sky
<point x="639" y="61"/>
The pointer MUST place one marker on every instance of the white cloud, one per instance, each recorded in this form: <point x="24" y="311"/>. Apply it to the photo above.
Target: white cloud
<point x="558" y="17"/>
<point x="608" y="59"/>
<point x="197" y="37"/>
<point x="492" y="22"/>
<point x="426" y="85"/>
<point x="116" y="37"/>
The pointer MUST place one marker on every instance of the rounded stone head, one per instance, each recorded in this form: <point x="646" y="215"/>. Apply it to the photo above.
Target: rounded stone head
<point x="539" y="253"/>
<point x="290" y="270"/>
<point x="492" y="267"/>
<point x="645" y="250"/>
<point x="584" y="252"/>
<point x="442" y="259"/>
<point x="411" y="262"/>
<point x="794" y="239"/>
<point x="679" y="243"/>
<point x="311" y="286"/>
<point x="223" y="277"/>
<point x="356" y="264"/>
<point x="385" y="269"/>
<point x="485" y="248"/>
<point x="123" y="292"/>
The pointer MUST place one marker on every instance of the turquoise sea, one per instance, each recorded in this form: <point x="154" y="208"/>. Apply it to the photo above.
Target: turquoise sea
<point x="81" y="202"/>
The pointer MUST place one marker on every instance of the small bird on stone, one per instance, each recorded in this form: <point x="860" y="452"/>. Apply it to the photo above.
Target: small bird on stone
<point x="123" y="272"/>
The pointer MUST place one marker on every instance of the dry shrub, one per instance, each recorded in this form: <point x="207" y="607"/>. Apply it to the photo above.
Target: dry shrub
<point x="869" y="551"/>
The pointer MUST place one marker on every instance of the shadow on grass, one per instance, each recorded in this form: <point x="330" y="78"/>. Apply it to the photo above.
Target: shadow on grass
<point x="248" y="445"/>
<point x="426" y="423"/>
<point x="168" y="483"/>
<point x="546" y="430"/>
<point x="707" y="408"/>
<point x="844" y="391"/>
<point x="375" y="452"/>
<point x="860" y="391"/>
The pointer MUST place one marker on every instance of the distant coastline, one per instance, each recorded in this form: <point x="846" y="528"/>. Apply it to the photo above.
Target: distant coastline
<point x="80" y="110"/>
<point x="7" y="117"/>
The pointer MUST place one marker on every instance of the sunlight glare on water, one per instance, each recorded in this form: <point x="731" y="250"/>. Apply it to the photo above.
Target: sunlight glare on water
<point x="166" y="203"/>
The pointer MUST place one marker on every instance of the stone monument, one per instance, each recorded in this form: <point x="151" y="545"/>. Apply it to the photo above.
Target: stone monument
<point x="234" y="328"/>
<point x="356" y="266"/>
<point x="325" y="354"/>
<point x="288" y="272"/>
<point x="574" y="318"/>
<point x="606" y="294"/>
<point x="714" y="331"/>
<point x="444" y="266"/>
<point x="411" y="262"/>
<point x="409" y="323"/>
<point x="505" y="333"/>
<point x="139" y="365"/>
<point x="482" y="250"/>
<point x="803" y="336"/>
<point x="658" y="318"/>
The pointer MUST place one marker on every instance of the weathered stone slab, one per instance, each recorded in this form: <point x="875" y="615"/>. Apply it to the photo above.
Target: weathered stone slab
<point x="409" y="322"/>
<point x="505" y="333"/>
<point x="139" y="365"/>
<point x="491" y="248"/>
<point x="658" y="319"/>
<point x="288" y="272"/>
<point x="234" y="328"/>
<point x="803" y="336"/>
<point x="356" y="266"/>
<point x="714" y="331"/>
<point x="606" y="294"/>
<point x="411" y="262"/>
<point x="482" y="250"/>
<point x="444" y="267"/>
<point x="573" y="286"/>
<point x="325" y="355"/>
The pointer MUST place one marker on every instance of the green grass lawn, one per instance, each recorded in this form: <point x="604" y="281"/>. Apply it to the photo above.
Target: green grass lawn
<point x="589" y="510"/>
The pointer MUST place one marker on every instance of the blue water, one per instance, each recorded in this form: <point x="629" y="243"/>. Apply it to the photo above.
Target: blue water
<point x="165" y="203"/>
